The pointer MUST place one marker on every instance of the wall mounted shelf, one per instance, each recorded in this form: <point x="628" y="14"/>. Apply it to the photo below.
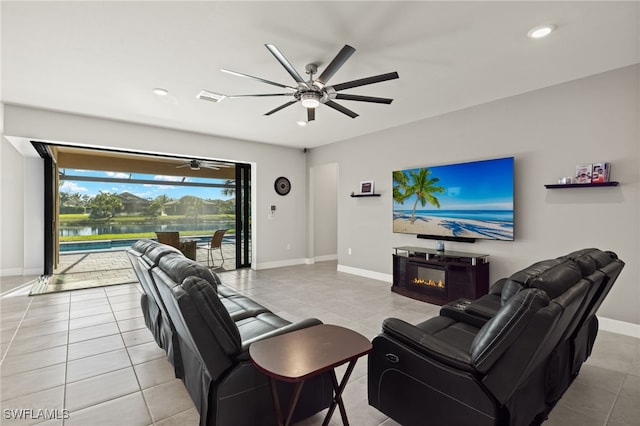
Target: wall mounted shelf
<point x="581" y="185"/>
<point x="364" y="195"/>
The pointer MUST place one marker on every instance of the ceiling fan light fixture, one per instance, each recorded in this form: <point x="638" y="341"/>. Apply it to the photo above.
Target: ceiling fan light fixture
<point x="541" y="31"/>
<point x="310" y="100"/>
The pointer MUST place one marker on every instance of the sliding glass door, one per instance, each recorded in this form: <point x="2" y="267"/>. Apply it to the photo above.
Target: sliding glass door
<point x="218" y="197"/>
<point x="243" y="215"/>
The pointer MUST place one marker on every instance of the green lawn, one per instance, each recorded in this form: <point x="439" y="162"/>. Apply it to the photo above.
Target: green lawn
<point x="83" y="219"/>
<point x="77" y="219"/>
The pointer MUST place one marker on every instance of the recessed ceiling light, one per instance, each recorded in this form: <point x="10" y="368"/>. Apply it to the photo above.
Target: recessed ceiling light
<point x="301" y="123"/>
<point x="541" y="31"/>
<point x="160" y="91"/>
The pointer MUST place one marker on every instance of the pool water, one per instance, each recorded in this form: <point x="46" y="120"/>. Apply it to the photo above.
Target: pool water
<point x="110" y="244"/>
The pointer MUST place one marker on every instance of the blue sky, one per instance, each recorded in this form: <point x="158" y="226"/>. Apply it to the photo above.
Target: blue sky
<point x="141" y="190"/>
<point x="479" y="185"/>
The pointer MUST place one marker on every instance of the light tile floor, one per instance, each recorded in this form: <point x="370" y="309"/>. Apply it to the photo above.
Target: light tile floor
<point x="80" y="270"/>
<point x="88" y="352"/>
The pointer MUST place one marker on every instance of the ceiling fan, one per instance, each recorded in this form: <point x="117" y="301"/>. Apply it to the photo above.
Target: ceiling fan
<point x="202" y="164"/>
<point x="315" y="91"/>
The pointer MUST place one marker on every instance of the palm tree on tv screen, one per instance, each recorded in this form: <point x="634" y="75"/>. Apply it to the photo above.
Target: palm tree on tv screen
<point x="417" y="183"/>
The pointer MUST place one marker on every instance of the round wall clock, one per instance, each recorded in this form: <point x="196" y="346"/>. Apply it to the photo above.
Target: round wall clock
<point x="282" y="185"/>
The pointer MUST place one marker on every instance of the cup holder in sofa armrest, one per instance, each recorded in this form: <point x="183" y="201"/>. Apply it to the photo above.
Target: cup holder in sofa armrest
<point x="427" y="344"/>
<point x="465" y="310"/>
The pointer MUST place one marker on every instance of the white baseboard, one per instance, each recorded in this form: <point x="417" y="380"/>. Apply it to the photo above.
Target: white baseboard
<point x="281" y="263"/>
<point x="366" y="273"/>
<point x="606" y="324"/>
<point x="619" y="327"/>
<point x="326" y="258"/>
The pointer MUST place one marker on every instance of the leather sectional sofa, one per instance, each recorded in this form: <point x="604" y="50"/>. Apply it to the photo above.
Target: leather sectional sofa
<point x="503" y="359"/>
<point x="206" y="329"/>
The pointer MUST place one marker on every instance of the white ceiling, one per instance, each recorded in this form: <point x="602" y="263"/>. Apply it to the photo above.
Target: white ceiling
<point x="103" y="58"/>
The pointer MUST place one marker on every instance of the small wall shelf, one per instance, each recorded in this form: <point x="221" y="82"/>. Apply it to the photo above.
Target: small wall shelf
<point x="364" y="195"/>
<point x="581" y="185"/>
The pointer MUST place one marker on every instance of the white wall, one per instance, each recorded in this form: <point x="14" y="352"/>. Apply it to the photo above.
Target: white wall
<point x="12" y="215"/>
<point x="548" y="132"/>
<point x="276" y="242"/>
<point x="324" y="219"/>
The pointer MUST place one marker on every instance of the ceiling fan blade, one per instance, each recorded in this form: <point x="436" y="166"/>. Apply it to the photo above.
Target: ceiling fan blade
<point x="340" y="108"/>
<point x="259" y="95"/>
<point x="311" y="114"/>
<point x="181" y="166"/>
<point x="216" y="164"/>
<point x="365" y="81"/>
<point x="335" y="64"/>
<point x="347" y="97"/>
<point x="281" y="107"/>
<point x="239" y="74"/>
<point x="286" y="64"/>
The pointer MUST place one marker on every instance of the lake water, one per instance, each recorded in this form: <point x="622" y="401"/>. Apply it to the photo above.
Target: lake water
<point x="84" y="230"/>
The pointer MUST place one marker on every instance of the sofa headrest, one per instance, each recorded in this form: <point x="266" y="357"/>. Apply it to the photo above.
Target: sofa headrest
<point x="215" y="317"/>
<point x="499" y="333"/>
<point x="157" y="251"/>
<point x="590" y="259"/>
<point x="554" y="276"/>
<point x="179" y="268"/>
<point x="141" y="246"/>
<point x="523" y="279"/>
<point x="528" y="274"/>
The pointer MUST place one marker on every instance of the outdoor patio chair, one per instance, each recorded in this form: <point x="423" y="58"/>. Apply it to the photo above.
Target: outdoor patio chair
<point x="215" y="244"/>
<point x="172" y="238"/>
<point x="169" y="238"/>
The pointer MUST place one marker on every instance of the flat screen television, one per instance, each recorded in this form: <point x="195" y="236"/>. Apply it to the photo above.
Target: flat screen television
<point x="463" y="201"/>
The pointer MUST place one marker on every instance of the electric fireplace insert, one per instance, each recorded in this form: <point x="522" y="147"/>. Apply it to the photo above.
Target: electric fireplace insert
<point x="439" y="277"/>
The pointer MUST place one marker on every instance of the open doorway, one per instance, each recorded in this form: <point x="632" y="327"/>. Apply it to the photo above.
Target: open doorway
<point x="324" y="179"/>
<point x="99" y="202"/>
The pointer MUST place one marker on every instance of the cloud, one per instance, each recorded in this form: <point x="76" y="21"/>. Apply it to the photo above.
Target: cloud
<point x="69" y="186"/>
<point x="118" y="175"/>
<point x="158" y="187"/>
<point x="169" y="178"/>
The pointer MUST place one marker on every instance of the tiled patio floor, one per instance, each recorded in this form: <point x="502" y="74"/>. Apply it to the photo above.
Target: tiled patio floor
<point x="99" y="269"/>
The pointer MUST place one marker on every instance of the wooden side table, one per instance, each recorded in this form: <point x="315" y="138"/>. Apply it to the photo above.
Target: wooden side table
<point x="302" y="354"/>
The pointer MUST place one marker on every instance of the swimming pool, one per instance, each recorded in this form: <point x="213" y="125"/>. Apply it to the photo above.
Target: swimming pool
<point x="99" y="245"/>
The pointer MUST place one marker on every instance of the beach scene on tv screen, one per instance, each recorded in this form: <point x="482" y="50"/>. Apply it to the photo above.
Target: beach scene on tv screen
<point x="470" y="200"/>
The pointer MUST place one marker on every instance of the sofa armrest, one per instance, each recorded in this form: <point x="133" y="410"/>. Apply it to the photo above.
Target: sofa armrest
<point x="299" y="325"/>
<point x="427" y="344"/>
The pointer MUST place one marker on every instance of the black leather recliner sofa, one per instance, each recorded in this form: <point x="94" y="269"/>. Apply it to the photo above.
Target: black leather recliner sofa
<point x="503" y="359"/>
<point x="206" y="329"/>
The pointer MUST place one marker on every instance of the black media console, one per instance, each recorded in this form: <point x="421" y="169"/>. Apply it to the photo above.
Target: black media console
<point x="439" y="277"/>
